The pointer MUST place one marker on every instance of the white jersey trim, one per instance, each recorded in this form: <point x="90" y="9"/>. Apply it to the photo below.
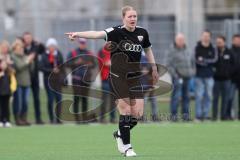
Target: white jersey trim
<point x="139" y="27"/>
<point x="106" y="36"/>
<point x="108" y="30"/>
<point x="136" y="27"/>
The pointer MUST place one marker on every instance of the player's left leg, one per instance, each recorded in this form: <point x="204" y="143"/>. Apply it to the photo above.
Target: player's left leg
<point x="137" y="109"/>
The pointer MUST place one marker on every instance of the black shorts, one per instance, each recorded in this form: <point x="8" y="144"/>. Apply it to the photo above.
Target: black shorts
<point x="126" y="86"/>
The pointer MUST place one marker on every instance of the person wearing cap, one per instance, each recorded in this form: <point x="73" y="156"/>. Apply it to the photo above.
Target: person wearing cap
<point x="50" y="61"/>
<point x="80" y="76"/>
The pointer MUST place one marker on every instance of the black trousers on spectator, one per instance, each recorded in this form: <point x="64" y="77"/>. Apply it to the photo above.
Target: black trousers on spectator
<point x="238" y="87"/>
<point x="108" y="104"/>
<point x="221" y="89"/>
<point x="232" y="92"/>
<point x="51" y="96"/>
<point x="77" y="99"/>
<point x="4" y="108"/>
<point x="36" y="99"/>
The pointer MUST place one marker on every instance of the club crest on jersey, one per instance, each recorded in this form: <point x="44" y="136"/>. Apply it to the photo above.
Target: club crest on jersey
<point x="140" y="38"/>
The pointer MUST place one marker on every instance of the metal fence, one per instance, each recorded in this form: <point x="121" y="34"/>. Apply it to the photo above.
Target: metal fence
<point x="223" y="26"/>
<point x="161" y="32"/>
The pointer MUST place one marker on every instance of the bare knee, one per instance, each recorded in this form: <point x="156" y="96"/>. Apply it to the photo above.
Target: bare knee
<point x="123" y="107"/>
<point x="137" y="114"/>
<point x="137" y="109"/>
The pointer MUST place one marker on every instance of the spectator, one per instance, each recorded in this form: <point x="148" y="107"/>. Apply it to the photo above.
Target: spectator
<point x="222" y="76"/>
<point x="79" y="77"/>
<point x="22" y="64"/>
<point x="5" y="51"/>
<point x="6" y="80"/>
<point x="108" y="100"/>
<point x="181" y="67"/>
<point x="6" y="74"/>
<point x="236" y="75"/>
<point x="50" y="61"/>
<point x="205" y="58"/>
<point x="33" y="47"/>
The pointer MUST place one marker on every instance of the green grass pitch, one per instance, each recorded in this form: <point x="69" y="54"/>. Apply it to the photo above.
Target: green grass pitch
<point x="155" y="141"/>
<point x="162" y="141"/>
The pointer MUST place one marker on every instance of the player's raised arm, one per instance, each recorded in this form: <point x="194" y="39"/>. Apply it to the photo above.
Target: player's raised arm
<point x="87" y="34"/>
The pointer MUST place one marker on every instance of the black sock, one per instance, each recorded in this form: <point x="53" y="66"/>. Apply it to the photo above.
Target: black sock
<point x="133" y="122"/>
<point x="124" y="127"/>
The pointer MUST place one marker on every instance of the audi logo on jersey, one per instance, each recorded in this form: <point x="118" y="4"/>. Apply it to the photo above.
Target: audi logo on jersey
<point x="125" y="45"/>
<point x="129" y="46"/>
<point x="133" y="47"/>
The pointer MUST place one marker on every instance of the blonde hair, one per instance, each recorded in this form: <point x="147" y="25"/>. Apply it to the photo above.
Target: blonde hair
<point x="4" y="43"/>
<point x="16" y="43"/>
<point x="125" y="9"/>
<point x="6" y="58"/>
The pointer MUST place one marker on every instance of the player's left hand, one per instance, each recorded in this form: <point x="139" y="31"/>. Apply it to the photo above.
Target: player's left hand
<point x="155" y="75"/>
<point x="71" y="35"/>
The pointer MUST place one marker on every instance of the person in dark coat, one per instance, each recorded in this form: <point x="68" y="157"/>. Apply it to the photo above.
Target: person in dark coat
<point x="33" y="47"/>
<point x="205" y="58"/>
<point x="50" y="61"/>
<point x="81" y="76"/>
<point x="235" y="75"/>
<point x="222" y="78"/>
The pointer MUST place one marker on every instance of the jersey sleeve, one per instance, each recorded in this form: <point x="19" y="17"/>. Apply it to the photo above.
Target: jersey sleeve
<point x="111" y="34"/>
<point x="146" y="42"/>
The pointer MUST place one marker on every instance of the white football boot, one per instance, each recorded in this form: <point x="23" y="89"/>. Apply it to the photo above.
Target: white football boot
<point x="120" y="145"/>
<point x="7" y="125"/>
<point x="130" y="153"/>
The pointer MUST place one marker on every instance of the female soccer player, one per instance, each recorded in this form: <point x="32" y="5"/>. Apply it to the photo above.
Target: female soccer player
<point x="127" y="41"/>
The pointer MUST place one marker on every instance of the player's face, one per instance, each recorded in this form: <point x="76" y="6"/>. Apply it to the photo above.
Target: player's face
<point x="130" y="19"/>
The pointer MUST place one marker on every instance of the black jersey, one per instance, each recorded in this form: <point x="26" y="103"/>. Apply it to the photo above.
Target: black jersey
<point x="129" y="43"/>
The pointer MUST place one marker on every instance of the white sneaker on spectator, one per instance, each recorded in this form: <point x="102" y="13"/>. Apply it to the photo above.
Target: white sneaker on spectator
<point x="130" y="152"/>
<point x="1" y="124"/>
<point x="7" y="124"/>
<point x="120" y="145"/>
